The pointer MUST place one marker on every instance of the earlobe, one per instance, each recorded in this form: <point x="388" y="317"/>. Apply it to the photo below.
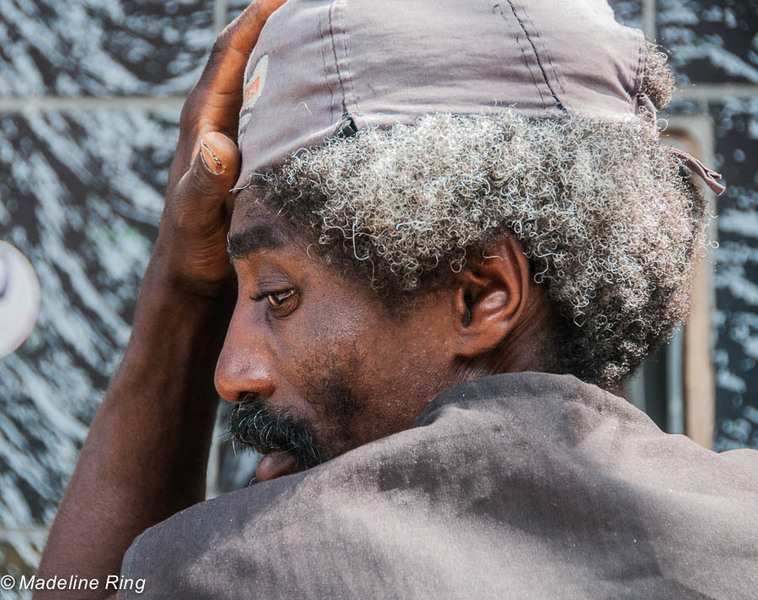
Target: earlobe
<point x="491" y="296"/>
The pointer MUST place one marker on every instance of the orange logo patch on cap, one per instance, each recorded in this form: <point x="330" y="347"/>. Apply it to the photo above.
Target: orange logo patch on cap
<point x="255" y="84"/>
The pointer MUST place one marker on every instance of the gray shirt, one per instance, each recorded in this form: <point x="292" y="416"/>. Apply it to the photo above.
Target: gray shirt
<point x="514" y="486"/>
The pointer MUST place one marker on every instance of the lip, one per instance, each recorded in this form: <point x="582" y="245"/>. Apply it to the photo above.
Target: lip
<point x="275" y="464"/>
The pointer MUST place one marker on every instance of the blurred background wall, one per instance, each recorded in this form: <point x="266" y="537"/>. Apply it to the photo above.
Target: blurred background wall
<point x="90" y="94"/>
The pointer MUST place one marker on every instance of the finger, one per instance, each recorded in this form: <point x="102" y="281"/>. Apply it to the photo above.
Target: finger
<point x="215" y="101"/>
<point x="201" y="193"/>
<point x="217" y="97"/>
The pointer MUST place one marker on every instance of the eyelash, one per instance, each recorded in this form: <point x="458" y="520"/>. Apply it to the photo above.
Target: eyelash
<point x="269" y="295"/>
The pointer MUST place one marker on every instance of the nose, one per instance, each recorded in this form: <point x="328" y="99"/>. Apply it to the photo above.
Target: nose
<point x="244" y="365"/>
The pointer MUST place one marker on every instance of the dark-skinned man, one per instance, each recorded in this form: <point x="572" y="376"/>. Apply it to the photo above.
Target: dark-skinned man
<point x="452" y="227"/>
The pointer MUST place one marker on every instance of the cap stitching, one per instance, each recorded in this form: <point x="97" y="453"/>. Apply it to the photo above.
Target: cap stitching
<point x="536" y="55"/>
<point x="637" y="85"/>
<point x="546" y="52"/>
<point x="326" y="72"/>
<point x="523" y="53"/>
<point x="349" y="80"/>
<point x="334" y="52"/>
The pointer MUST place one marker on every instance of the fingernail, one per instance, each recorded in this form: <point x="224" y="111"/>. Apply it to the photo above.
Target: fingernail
<point x="210" y="160"/>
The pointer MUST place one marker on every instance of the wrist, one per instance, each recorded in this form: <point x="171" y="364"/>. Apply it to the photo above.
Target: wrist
<point x="178" y="323"/>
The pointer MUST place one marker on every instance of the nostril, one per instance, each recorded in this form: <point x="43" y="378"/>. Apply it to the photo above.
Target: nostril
<point x="247" y="397"/>
<point x="227" y="389"/>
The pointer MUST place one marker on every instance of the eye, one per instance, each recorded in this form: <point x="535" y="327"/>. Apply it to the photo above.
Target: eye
<point x="278" y="299"/>
<point x="281" y="302"/>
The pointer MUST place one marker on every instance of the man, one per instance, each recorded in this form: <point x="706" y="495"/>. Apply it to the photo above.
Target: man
<point x="450" y="220"/>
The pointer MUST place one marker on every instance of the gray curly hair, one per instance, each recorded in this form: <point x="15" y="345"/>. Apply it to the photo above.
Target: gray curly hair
<point x="607" y="216"/>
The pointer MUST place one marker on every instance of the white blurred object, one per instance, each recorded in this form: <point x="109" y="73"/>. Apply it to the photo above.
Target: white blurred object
<point x="19" y="298"/>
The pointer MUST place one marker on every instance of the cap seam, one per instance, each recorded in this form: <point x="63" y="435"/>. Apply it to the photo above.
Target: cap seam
<point x="637" y="86"/>
<point x="526" y="59"/>
<point x="349" y="81"/>
<point x="326" y="72"/>
<point x="346" y="81"/>
<point x="547" y="57"/>
<point x="536" y="54"/>
<point x="336" y="58"/>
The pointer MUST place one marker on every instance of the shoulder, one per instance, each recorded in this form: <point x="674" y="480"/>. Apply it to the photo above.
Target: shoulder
<point x="505" y="486"/>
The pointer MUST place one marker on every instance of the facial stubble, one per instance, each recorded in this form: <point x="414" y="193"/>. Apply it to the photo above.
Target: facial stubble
<point x="257" y="424"/>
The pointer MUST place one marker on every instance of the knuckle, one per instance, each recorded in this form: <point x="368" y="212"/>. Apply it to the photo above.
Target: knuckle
<point x="184" y="213"/>
<point x="182" y="219"/>
<point x="196" y="188"/>
<point x="220" y="44"/>
<point x="188" y="115"/>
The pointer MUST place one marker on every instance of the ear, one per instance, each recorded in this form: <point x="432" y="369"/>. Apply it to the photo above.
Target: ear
<point x="490" y="297"/>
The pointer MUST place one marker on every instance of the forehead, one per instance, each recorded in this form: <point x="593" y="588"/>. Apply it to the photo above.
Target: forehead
<point x="256" y="227"/>
<point x="261" y="233"/>
<point x="248" y="212"/>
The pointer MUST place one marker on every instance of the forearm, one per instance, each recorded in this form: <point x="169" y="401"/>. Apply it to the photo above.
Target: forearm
<point x="146" y="454"/>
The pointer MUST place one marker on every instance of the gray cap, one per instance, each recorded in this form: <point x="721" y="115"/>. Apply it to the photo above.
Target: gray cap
<point x="324" y="67"/>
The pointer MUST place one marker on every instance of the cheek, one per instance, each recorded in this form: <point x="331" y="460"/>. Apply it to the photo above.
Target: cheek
<point x="322" y="347"/>
<point x="326" y="378"/>
<point x="362" y="374"/>
<point x="411" y="363"/>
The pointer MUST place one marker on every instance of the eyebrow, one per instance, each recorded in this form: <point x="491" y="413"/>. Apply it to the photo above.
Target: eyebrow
<point x="260" y="237"/>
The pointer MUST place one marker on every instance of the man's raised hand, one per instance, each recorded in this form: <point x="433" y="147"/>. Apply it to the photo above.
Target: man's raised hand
<point x="192" y="235"/>
<point x="136" y="467"/>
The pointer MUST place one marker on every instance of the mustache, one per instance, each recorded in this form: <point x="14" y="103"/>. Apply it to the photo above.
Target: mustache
<point x="254" y="424"/>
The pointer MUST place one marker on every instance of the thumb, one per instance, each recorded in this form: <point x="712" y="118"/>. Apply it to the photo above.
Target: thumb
<point x="220" y="159"/>
<point x="213" y="173"/>
<point x="200" y="196"/>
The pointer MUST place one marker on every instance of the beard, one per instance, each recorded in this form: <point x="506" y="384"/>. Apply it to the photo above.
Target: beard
<point x="253" y="424"/>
